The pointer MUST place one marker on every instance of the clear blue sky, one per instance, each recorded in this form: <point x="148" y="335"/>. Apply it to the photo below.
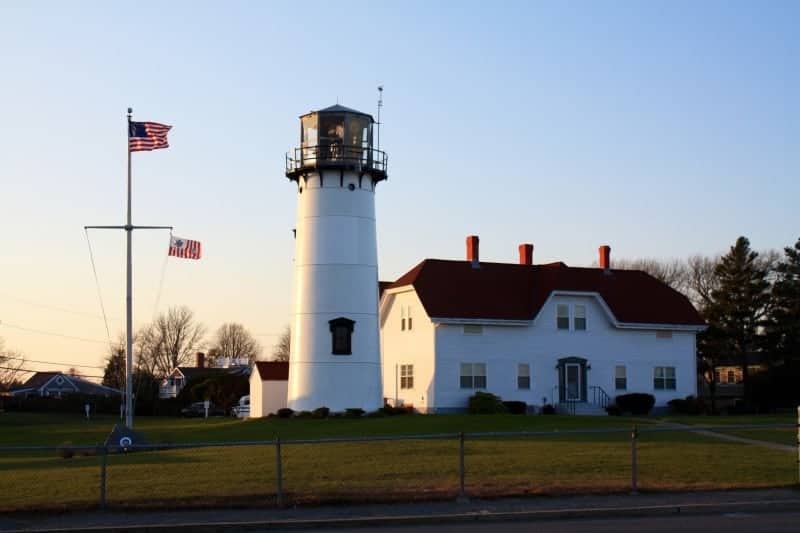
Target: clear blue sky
<point x="661" y="128"/>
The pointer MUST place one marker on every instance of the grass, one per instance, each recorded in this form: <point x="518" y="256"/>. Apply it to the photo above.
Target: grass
<point x="787" y="436"/>
<point x="374" y="471"/>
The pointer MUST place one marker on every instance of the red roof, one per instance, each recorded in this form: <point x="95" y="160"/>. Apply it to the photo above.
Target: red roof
<point x="273" y="370"/>
<point x="506" y="291"/>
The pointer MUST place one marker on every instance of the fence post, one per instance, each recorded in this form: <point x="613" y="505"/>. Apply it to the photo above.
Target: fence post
<point x="798" y="445"/>
<point x="279" y="472"/>
<point x="462" y="493"/>
<point x="634" y="464"/>
<point x="103" y="451"/>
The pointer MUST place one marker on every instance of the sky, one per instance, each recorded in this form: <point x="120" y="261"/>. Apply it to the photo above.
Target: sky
<point x="663" y="129"/>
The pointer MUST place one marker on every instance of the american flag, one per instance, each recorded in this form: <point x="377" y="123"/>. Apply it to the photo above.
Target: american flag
<point x="185" y="248"/>
<point x="146" y="136"/>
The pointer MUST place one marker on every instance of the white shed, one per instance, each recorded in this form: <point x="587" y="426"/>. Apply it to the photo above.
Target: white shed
<point x="268" y="387"/>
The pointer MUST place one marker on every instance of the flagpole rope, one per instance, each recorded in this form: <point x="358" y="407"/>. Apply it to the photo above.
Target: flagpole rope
<point x="161" y="280"/>
<point x="99" y="292"/>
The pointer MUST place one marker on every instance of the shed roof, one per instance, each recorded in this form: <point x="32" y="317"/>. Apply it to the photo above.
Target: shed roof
<point x="273" y="370"/>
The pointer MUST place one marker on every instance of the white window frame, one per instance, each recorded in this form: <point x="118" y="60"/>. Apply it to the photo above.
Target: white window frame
<point x="406" y="377"/>
<point x="571" y="317"/>
<point x="617" y="377"/>
<point x="664" y="378"/>
<point x="574" y="308"/>
<point x="472" y="375"/>
<point x="525" y="375"/>
<point x="559" y="317"/>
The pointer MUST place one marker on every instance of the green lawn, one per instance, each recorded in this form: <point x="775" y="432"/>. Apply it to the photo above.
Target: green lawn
<point x="786" y="435"/>
<point x="374" y="471"/>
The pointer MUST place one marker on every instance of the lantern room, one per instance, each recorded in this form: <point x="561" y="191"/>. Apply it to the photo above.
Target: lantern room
<point x="336" y="137"/>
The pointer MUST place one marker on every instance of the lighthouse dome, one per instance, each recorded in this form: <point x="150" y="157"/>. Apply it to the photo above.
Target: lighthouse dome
<point x="336" y="137"/>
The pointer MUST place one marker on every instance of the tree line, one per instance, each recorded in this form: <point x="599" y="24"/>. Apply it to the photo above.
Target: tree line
<point x="173" y="339"/>
<point x="751" y="304"/>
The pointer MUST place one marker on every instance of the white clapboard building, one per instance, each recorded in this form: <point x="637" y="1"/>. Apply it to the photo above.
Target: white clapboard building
<point x="543" y="334"/>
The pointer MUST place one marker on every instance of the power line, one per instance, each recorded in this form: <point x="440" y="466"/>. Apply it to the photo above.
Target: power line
<point x="53" y="334"/>
<point x="51" y="307"/>
<point x="25" y="370"/>
<point x="52" y="362"/>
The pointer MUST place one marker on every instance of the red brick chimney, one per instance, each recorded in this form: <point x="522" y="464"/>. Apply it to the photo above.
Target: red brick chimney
<point x="201" y="360"/>
<point x="605" y="257"/>
<point x="472" y="250"/>
<point x="525" y="254"/>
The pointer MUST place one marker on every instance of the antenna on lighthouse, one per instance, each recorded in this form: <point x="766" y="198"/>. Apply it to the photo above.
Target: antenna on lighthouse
<point x="380" y="105"/>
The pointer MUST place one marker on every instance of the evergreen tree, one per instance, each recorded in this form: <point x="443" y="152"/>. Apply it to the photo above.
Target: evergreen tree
<point x="784" y="323"/>
<point x="114" y="374"/>
<point x="736" y="312"/>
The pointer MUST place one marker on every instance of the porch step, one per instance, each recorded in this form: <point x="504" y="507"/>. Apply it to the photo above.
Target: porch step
<point x="581" y="408"/>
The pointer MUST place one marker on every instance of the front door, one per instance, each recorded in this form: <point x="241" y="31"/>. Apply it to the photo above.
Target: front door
<point x="573" y="381"/>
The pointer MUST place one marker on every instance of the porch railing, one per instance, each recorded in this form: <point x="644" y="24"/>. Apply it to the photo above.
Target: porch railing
<point x="599" y="396"/>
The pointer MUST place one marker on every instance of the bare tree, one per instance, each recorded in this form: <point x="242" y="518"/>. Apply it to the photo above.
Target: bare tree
<point x="702" y="279"/>
<point x="11" y="367"/>
<point x="235" y="342"/>
<point x="673" y="272"/>
<point x="147" y="347"/>
<point x="282" y="349"/>
<point x="170" y="341"/>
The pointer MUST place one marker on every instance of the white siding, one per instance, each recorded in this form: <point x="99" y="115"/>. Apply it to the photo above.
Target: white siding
<point x="414" y="346"/>
<point x="541" y="345"/>
<point x="266" y="396"/>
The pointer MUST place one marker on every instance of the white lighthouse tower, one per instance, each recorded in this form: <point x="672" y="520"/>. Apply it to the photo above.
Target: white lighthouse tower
<point x="335" y="350"/>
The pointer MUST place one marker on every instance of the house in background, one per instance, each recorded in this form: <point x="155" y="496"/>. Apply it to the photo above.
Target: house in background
<point x="728" y="383"/>
<point x="269" y="386"/>
<point x="172" y="385"/>
<point x="541" y="334"/>
<point x="58" y="384"/>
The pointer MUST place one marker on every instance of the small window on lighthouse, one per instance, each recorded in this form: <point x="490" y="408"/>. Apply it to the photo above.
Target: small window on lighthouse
<point x="341" y="336"/>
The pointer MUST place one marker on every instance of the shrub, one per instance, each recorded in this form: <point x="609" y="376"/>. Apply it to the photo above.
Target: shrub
<point x="65" y="450"/>
<point x="515" y="407"/>
<point x="485" y="403"/>
<point x="304" y="414"/>
<point x="687" y="406"/>
<point x="613" y="410"/>
<point x="376" y="414"/>
<point x="285" y="412"/>
<point x="321" y="412"/>
<point x="354" y="412"/>
<point x="548" y="409"/>
<point x="635" y="403"/>
<point x="388" y="410"/>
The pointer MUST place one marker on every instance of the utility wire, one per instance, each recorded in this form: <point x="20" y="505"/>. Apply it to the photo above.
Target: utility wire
<point x="35" y="371"/>
<point x="97" y="282"/>
<point x="41" y="332"/>
<point x="25" y="359"/>
<point x="51" y="307"/>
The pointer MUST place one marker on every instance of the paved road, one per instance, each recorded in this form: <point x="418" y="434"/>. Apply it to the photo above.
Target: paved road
<point x="729" y="523"/>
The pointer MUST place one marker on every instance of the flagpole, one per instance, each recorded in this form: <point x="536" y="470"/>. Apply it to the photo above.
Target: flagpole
<point x="129" y="298"/>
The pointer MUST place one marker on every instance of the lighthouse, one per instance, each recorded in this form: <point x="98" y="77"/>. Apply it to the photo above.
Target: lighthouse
<point x="335" y="351"/>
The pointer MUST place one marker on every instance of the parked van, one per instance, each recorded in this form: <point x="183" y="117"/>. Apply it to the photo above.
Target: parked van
<point x="242" y="409"/>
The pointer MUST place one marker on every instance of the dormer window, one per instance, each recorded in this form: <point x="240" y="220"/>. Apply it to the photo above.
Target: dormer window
<point x="571" y="317"/>
<point x="341" y="336"/>
<point x="580" y="317"/>
<point x="562" y="316"/>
